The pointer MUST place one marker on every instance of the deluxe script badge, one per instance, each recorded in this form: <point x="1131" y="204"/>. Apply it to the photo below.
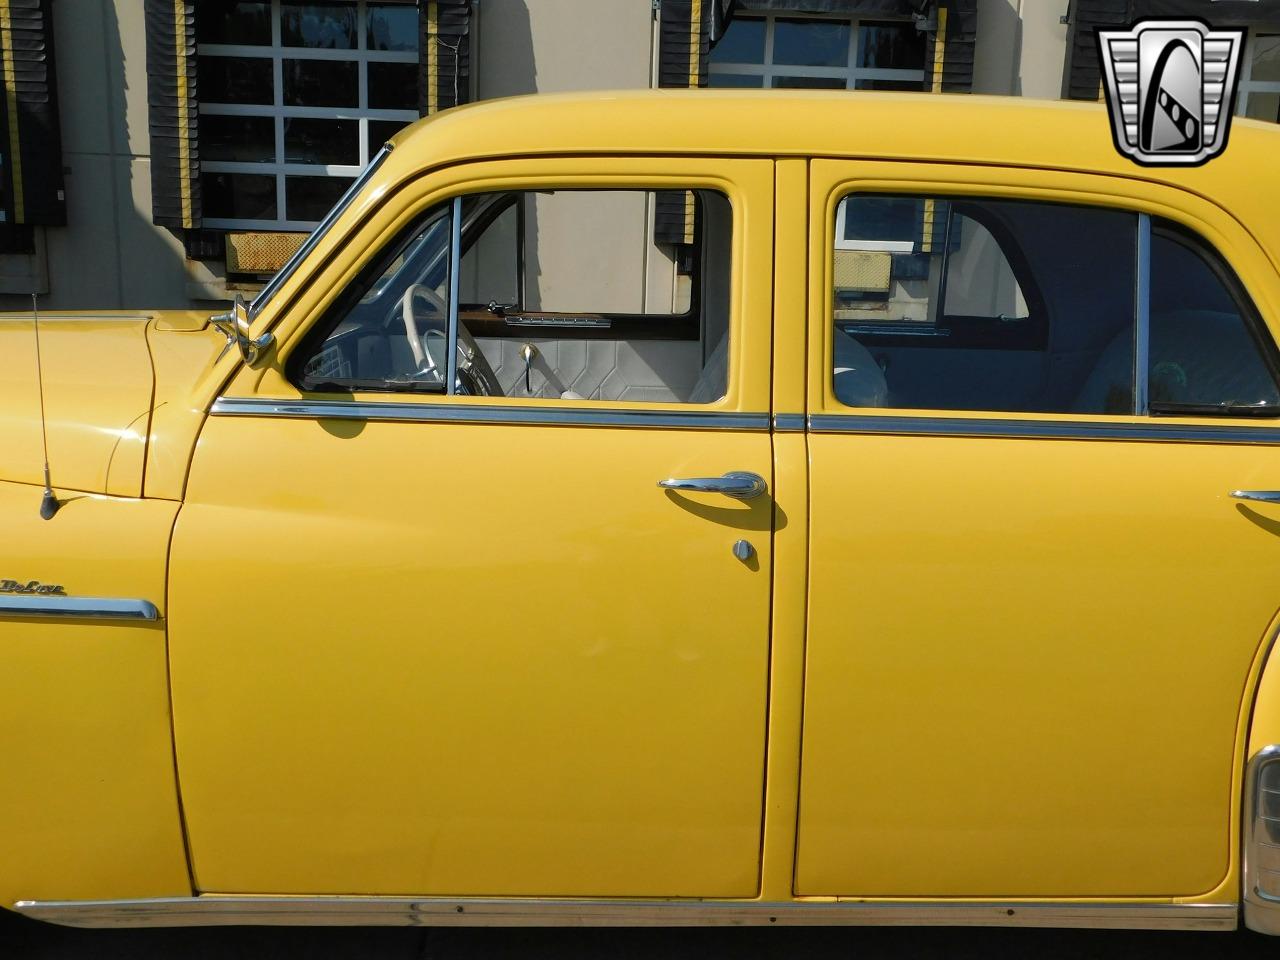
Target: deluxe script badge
<point x="32" y="586"/>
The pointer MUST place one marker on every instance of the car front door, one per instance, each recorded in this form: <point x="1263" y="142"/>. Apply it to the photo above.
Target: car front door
<point x="435" y="626"/>
<point x="1035" y="603"/>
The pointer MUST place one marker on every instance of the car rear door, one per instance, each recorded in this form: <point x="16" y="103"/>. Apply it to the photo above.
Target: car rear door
<point x="1035" y="605"/>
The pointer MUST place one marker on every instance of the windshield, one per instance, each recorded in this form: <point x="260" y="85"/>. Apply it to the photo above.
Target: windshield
<point x="276" y="282"/>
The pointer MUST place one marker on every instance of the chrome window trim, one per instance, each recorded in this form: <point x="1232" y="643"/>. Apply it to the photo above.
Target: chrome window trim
<point x="76" y="608"/>
<point x="1041" y="429"/>
<point x="212" y="910"/>
<point x="455" y="268"/>
<point x="313" y="239"/>
<point x="1261" y="911"/>
<point x="789" y="422"/>
<point x="1142" y="319"/>
<point x="481" y="414"/>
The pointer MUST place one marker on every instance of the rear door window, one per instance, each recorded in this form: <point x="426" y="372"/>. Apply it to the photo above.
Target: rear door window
<point x="984" y="304"/>
<point x="995" y="305"/>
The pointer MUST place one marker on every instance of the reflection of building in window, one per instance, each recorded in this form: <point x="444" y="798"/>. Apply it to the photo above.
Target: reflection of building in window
<point x="820" y="52"/>
<point x="294" y="100"/>
<point x="891" y="224"/>
<point x="890" y="270"/>
<point x="1260" y="78"/>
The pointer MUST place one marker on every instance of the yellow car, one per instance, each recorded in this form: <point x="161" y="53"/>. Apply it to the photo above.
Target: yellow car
<point x="670" y="508"/>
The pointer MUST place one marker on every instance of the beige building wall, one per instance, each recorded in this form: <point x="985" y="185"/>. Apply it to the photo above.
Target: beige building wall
<point x="1021" y="48"/>
<point x="536" y="45"/>
<point x="110" y="256"/>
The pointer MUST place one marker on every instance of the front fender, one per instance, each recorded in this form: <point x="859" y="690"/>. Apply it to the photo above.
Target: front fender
<point x="88" y="797"/>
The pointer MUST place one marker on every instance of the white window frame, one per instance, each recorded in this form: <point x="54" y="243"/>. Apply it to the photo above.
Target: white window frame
<point x="1247" y="84"/>
<point x="886" y="246"/>
<point x="277" y="110"/>
<point x="850" y="73"/>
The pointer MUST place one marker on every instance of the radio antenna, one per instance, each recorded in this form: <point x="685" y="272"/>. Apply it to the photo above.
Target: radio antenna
<point x="48" y="503"/>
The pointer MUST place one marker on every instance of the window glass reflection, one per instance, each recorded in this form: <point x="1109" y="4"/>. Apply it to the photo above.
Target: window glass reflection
<point x="393" y="86"/>
<point x="811" y="83"/>
<point x="240" y="23"/>
<point x="310" y="198"/>
<point x="1266" y="58"/>
<point x="743" y="42"/>
<point x="235" y="80"/>
<point x="322" y="26"/>
<point x="392" y="27"/>
<point x="308" y="140"/>
<point x="896" y="46"/>
<point x="237" y="139"/>
<point x="811" y="43"/>
<point x="238" y="196"/>
<point x="320" y="83"/>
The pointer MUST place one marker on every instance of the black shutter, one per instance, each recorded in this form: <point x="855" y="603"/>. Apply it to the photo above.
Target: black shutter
<point x="950" y="37"/>
<point x="683" y="44"/>
<point x="860" y="9"/>
<point x="32" y="140"/>
<point x="948" y="63"/>
<point x="174" y="109"/>
<point x="684" y="41"/>
<point x="1082" y="73"/>
<point x="1220" y="13"/>
<point x="445" y="54"/>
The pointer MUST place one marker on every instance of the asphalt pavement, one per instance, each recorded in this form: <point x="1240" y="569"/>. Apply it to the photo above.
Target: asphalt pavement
<point x="22" y="939"/>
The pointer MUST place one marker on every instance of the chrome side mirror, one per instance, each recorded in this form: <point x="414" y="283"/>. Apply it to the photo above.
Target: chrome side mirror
<point x="234" y="325"/>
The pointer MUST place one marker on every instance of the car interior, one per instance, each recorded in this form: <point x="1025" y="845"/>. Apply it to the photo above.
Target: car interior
<point x="997" y="305"/>
<point x="577" y="295"/>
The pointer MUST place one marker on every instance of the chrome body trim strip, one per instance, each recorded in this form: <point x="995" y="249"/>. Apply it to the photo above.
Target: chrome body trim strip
<point x="75" y="608"/>
<point x="455" y="268"/>
<point x="789" y="422"/>
<point x="1041" y="429"/>
<point x="212" y="910"/>
<point x="1261" y="910"/>
<point x="1142" y="318"/>
<point x="473" y="413"/>
<point x="86" y="315"/>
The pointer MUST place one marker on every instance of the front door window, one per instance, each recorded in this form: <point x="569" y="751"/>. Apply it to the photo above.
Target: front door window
<point x="555" y="294"/>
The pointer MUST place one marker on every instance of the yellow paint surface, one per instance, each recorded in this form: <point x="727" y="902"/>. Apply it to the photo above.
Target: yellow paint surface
<point x="88" y="798"/>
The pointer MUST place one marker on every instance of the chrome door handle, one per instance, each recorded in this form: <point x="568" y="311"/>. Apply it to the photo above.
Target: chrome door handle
<point x="739" y="485"/>
<point x="1266" y="496"/>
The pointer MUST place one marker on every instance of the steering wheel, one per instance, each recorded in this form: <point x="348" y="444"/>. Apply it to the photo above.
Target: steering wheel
<point x="475" y="376"/>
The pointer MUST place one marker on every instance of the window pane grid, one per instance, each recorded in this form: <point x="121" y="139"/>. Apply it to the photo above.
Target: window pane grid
<point x="315" y="113"/>
<point x="306" y="53"/>
<point x="1258" y="98"/>
<point x="773" y="74"/>
<point x="306" y="150"/>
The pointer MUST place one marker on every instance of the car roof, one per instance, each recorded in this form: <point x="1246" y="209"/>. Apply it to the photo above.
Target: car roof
<point x="950" y="128"/>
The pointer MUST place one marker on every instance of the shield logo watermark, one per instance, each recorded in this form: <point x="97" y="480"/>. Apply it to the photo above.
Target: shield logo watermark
<point x="1171" y="89"/>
